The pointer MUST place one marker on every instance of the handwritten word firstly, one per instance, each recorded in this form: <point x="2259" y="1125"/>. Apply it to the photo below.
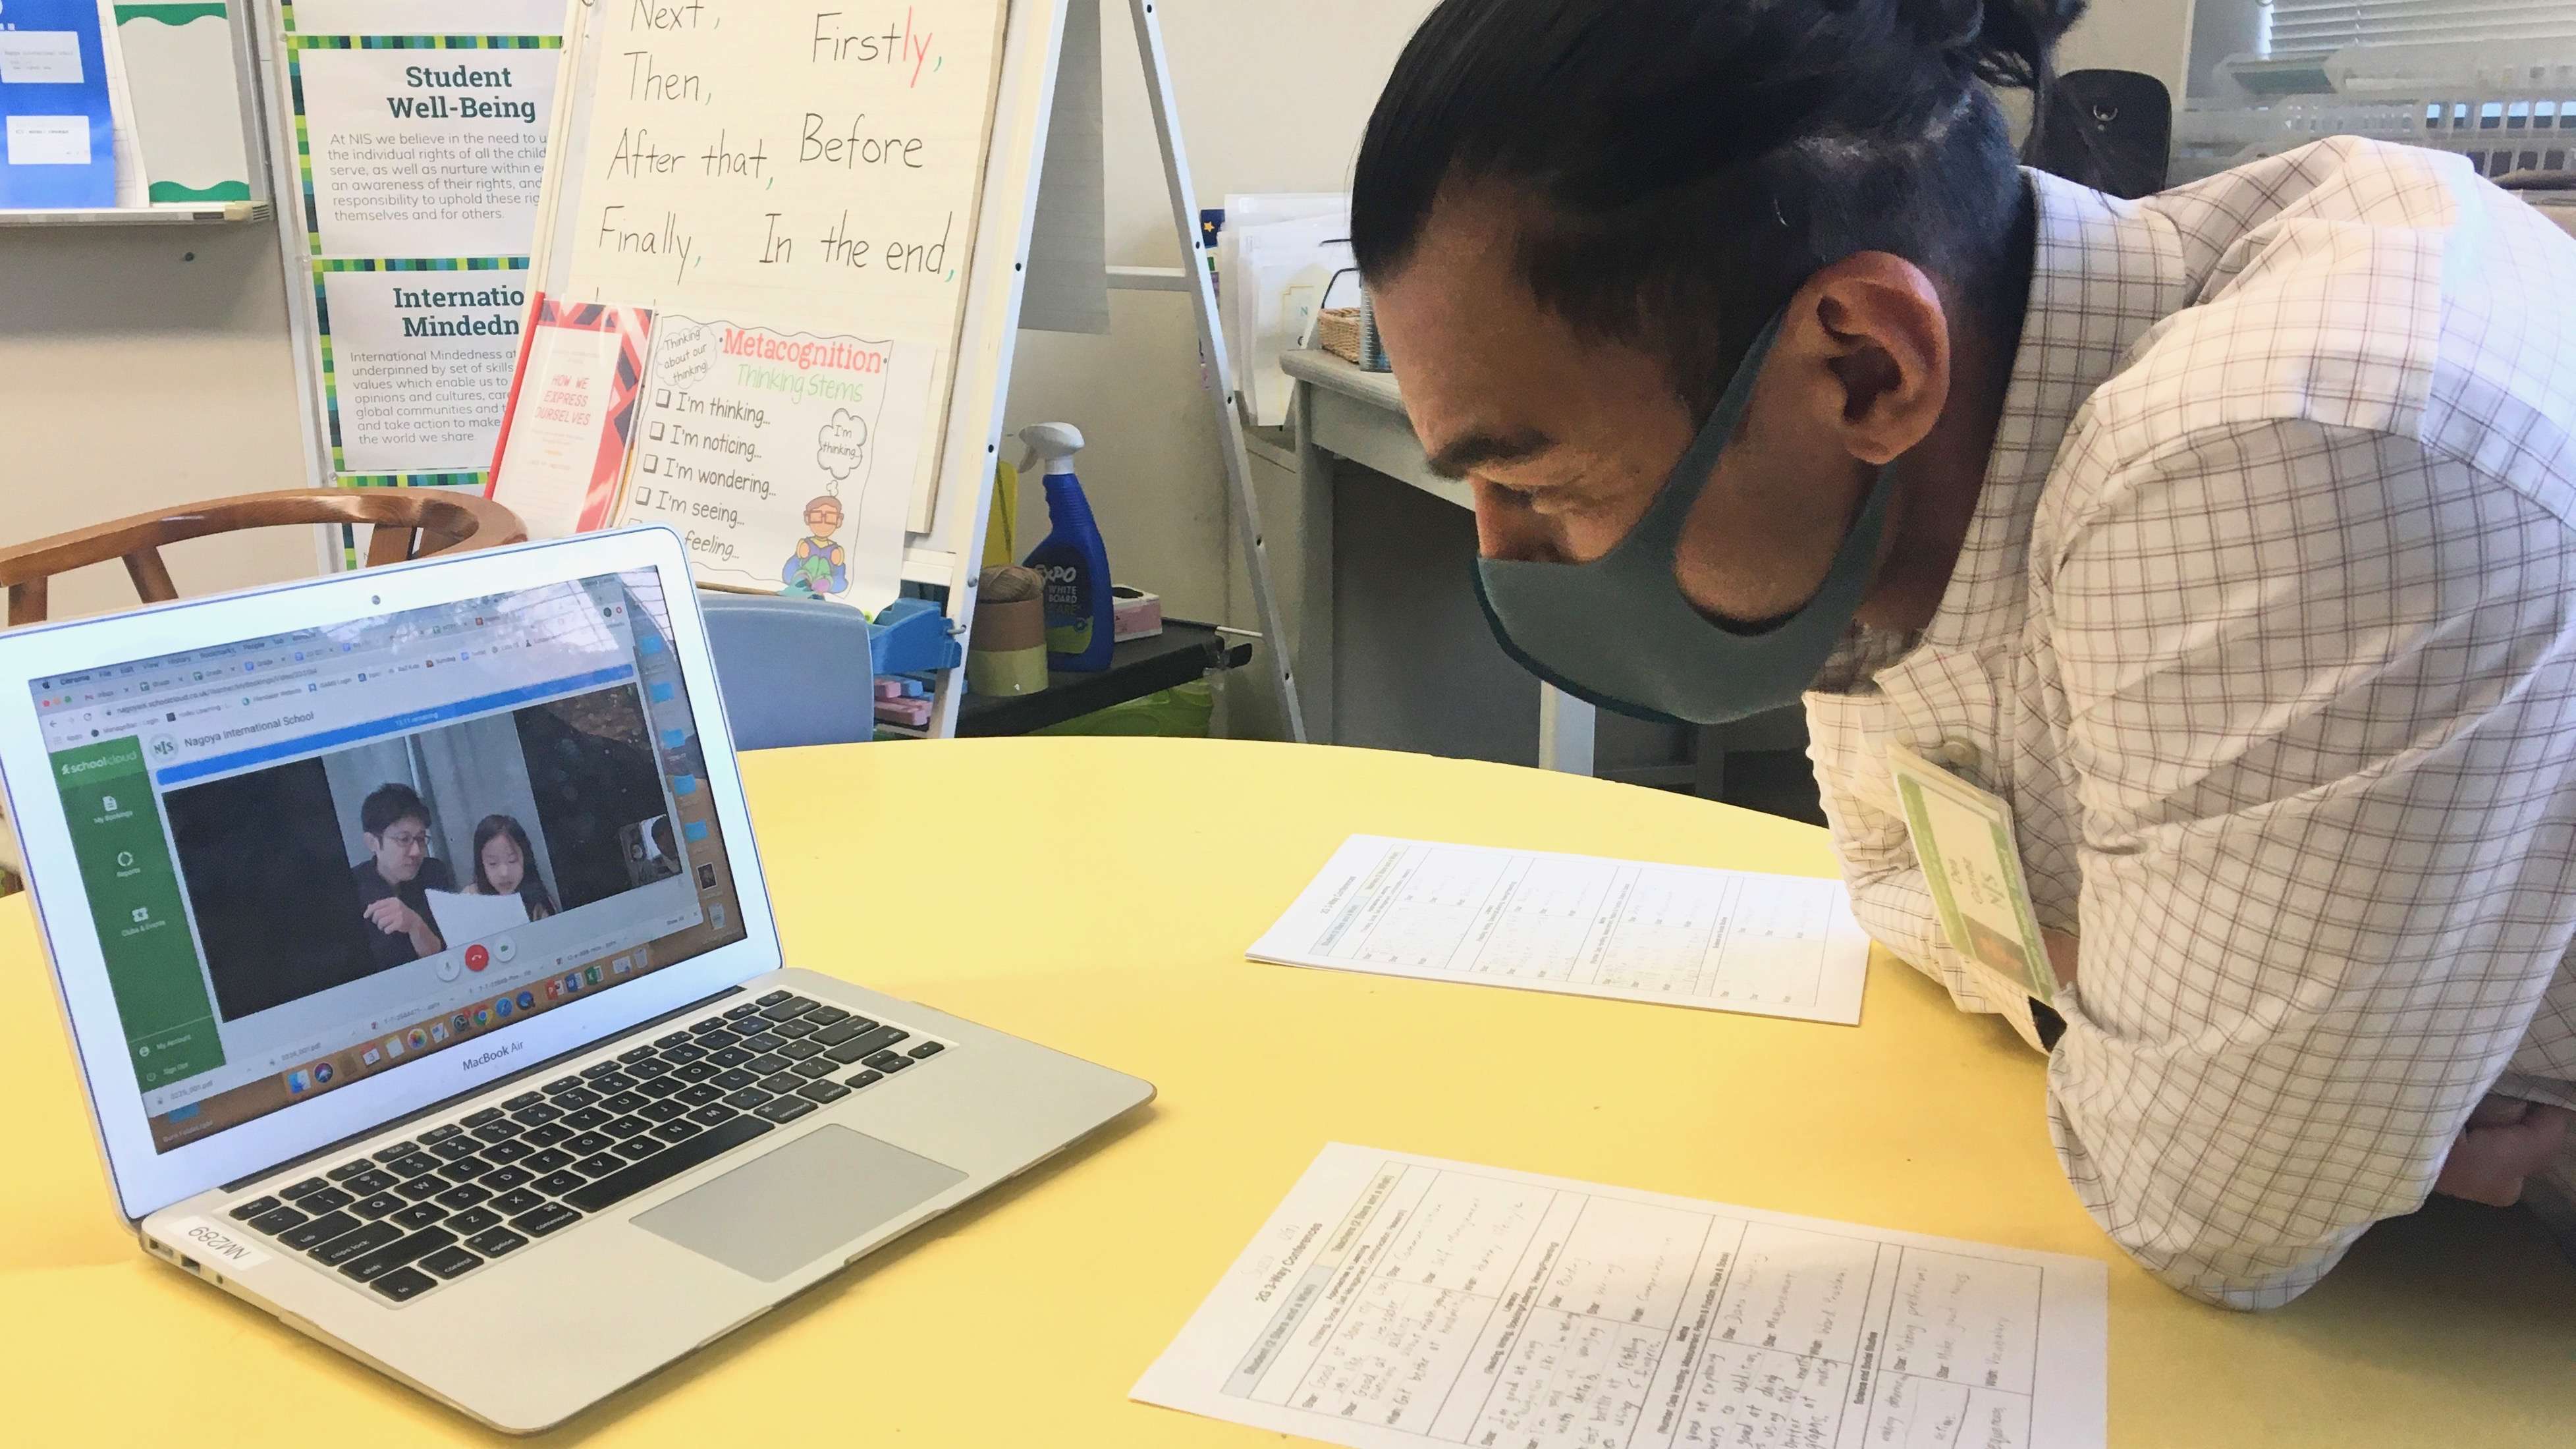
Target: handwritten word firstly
<point x="896" y="46"/>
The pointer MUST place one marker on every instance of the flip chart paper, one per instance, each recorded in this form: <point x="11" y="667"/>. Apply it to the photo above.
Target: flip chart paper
<point x="813" y="170"/>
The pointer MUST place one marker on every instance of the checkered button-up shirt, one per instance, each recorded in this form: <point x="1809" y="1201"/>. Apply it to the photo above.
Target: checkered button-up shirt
<point x="2265" y="627"/>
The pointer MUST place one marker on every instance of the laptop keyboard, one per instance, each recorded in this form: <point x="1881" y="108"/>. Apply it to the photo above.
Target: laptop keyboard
<point x="458" y="1194"/>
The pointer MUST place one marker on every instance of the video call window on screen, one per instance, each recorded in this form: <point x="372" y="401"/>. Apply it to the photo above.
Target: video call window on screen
<point x="315" y="855"/>
<point x="310" y="874"/>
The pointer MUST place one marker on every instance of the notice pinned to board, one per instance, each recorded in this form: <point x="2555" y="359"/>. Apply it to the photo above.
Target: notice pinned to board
<point x="784" y="459"/>
<point x="57" y="147"/>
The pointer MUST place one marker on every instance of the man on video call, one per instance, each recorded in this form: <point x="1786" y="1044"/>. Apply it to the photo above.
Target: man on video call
<point x="394" y="881"/>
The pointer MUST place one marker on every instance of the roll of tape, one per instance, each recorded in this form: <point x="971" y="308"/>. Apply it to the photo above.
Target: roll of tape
<point x="1006" y="671"/>
<point x="1010" y="610"/>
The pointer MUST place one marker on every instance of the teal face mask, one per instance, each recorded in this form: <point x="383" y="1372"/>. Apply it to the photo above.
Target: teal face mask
<point x="1617" y="632"/>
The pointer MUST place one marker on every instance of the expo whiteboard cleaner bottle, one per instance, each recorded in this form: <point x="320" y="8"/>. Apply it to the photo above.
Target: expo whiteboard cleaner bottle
<point x="1073" y="564"/>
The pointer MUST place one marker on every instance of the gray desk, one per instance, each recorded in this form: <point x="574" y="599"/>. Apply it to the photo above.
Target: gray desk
<point x="1345" y="413"/>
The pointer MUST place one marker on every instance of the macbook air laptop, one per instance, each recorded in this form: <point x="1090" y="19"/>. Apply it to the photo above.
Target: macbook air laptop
<point x="419" y="969"/>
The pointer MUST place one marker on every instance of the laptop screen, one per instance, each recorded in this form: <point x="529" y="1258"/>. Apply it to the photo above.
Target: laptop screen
<point x="318" y="855"/>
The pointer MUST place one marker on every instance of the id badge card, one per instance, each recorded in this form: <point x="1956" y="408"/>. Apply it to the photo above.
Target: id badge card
<point x="1963" y="837"/>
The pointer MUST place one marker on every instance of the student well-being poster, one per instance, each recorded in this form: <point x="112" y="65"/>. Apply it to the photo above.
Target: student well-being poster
<point x="420" y="130"/>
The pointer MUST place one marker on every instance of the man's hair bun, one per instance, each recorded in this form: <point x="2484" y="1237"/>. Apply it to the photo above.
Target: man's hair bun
<point x="1680" y="166"/>
<point x="2011" y="41"/>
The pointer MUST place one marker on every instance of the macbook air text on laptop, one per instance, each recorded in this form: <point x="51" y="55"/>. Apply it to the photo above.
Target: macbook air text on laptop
<point x="419" y="968"/>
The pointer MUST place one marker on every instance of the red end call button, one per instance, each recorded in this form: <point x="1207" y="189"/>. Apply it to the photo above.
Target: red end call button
<point x="476" y="958"/>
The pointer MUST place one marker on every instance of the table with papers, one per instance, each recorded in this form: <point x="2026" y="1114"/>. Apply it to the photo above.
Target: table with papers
<point x="1026" y="1318"/>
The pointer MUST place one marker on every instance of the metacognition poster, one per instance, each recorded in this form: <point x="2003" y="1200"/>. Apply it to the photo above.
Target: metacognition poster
<point x="420" y="135"/>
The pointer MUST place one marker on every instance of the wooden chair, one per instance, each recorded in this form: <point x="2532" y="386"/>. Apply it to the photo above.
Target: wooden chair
<point x="408" y="523"/>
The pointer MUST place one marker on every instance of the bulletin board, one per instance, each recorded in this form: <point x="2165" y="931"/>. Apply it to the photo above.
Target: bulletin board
<point x="413" y="134"/>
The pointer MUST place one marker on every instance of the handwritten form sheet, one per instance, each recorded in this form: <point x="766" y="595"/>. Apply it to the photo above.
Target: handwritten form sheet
<point x="1401" y="1302"/>
<point x="1725" y="940"/>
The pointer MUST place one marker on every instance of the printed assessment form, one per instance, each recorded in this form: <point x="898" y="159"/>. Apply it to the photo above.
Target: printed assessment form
<point x="1401" y="1302"/>
<point x="1722" y="940"/>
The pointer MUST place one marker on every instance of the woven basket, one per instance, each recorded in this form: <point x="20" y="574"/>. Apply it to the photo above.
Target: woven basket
<point x="1337" y="331"/>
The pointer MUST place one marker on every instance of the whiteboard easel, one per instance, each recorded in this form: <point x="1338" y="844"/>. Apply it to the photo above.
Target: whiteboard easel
<point x="949" y="554"/>
<point x="1220" y="368"/>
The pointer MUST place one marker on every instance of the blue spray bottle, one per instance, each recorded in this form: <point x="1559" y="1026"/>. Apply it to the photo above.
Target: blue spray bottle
<point x="1081" y="624"/>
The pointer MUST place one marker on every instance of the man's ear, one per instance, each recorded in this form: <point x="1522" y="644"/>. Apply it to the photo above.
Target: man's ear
<point x="1877" y="323"/>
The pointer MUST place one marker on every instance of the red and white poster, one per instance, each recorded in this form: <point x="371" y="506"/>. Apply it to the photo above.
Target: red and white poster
<point x="561" y="460"/>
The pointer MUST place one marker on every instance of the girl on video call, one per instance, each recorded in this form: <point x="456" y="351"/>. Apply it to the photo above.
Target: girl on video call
<point x="501" y="865"/>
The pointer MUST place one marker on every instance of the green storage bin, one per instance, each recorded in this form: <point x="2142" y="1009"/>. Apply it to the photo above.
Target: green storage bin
<point x="1183" y="712"/>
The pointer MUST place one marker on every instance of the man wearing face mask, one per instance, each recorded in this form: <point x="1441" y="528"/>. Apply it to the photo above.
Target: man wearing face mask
<point x="2228" y="537"/>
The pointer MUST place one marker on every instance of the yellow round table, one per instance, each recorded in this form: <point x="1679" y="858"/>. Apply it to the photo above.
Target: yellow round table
<point x="1097" y="896"/>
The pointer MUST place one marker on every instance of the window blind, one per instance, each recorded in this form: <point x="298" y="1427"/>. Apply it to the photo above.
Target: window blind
<point x="2299" y="26"/>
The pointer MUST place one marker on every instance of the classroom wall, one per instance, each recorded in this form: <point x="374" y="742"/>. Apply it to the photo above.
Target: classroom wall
<point x="143" y="368"/>
<point x="147" y="367"/>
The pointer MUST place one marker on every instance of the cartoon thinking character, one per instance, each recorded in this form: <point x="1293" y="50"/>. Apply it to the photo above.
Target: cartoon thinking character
<point x="819" y="568"/>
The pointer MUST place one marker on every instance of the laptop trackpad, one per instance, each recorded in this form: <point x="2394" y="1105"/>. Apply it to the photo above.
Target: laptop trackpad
<point x="784" y="1209"/>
